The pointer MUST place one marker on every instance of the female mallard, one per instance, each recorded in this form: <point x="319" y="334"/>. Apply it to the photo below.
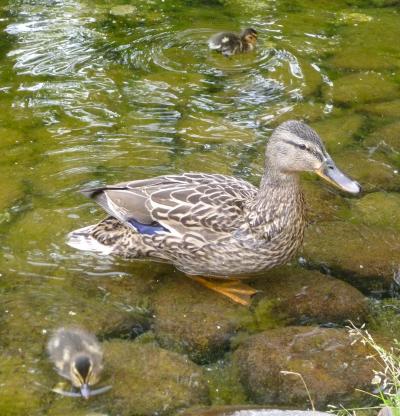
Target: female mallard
<point x="215" y="225"/>
<point x="229" y="43"/>
<point x="77" y="357"/>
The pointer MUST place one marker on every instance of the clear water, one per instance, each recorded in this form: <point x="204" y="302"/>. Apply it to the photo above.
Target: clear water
<point x="89" y="98"/>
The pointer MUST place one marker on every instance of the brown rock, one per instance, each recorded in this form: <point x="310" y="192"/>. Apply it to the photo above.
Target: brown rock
<point x="331" y="367"/>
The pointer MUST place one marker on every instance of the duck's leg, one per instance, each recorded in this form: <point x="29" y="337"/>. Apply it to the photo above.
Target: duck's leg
<point x="234" y="289"/>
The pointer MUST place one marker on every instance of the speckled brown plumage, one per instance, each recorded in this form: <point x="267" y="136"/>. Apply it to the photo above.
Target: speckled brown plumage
<point x="214" y="225"/>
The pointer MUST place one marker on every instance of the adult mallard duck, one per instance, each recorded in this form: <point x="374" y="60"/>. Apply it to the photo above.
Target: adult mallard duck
<point x="213" y="225"/>
<point x="77" y="356"/>
<point x="229" y="43"/>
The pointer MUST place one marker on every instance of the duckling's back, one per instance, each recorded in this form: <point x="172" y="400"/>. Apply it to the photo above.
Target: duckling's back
<point x="227" y="43"/>
<point x="67" y="343"/>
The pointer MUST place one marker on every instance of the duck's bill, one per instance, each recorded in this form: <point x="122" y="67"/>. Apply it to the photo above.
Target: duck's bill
<point x="335" y="176"/>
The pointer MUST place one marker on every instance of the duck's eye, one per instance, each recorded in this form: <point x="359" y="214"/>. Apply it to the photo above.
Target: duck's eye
<point x="303" y="147"/>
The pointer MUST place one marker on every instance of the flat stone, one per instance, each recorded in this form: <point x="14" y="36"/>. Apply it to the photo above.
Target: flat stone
<point x="354" y="89"/>
<point x="250" y="411"/>
<point x="366" y="256"/>
<point x="306" y="296"/>
<point x="148" y="380"/>
<point x="331" y="367"/>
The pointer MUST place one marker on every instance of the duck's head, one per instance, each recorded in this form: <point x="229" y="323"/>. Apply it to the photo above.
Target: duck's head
<point x="249" y="36"/>
<point x="295" y="147"/>
<point x="83" y="374"/>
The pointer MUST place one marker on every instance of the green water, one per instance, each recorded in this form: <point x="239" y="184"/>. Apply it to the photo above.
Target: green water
<point x="88" y="97"/>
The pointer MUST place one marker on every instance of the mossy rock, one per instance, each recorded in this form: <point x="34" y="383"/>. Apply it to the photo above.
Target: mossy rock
<point x="148" y="380"/>
<point x="385" y="318"/>
<point x="191" y="319"/>
<point x="373" y="172"/>
<point x="306" y="297"/>
<point x="331" y="367"/>
<point x="387" y="109"/>
<point x="354" y="89"/>
<point x="21" y="381"/>
<point x="323" y="201"/>
<point x="386" y="136"/>
<point x="338" y="132"/>
<point x="365" y="256"/>
<point x="31" y="312"/>
<point x="379" y="209"/>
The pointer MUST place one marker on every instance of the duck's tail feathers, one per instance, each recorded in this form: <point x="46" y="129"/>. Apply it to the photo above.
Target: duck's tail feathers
<point x="82" y="239"/>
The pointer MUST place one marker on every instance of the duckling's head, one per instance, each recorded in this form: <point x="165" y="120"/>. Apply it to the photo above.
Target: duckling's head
<point x="249" y="36"/>
<point x="83" y="374"/>
<point x="295" y="147"/>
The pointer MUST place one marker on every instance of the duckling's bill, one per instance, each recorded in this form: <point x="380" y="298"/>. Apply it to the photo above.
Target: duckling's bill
<point x="331" y="173"/>
<point x="85" y="392"/>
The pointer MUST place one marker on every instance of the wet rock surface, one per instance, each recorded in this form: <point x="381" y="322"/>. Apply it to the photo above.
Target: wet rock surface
<point x="362" y="88"/>
<point x="148" y="380"/>
<point x="194" y="320"/>
<point x="365" y="256"/>
<point x="250" y="411"/>
<point x="329" y="365"/>
<point x="306" y="296"/>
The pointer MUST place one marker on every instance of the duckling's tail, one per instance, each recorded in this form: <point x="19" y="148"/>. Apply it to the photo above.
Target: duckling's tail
<point x="82" y="239"/>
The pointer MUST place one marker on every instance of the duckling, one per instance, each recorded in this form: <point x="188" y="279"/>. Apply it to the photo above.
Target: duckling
<point x="77" y="357"/>
<point x="229" y="43"/>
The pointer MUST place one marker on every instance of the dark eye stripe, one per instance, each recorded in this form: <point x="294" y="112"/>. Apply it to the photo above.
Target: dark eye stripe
<point x="304" y="147"/>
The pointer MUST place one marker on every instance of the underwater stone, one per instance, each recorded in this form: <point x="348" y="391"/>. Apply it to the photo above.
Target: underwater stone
<point x="361" y="88"/>
<point x="148" y="380"/>
<point x="379" y="208"/>
<point x="21" y="385"/>
<point x="306" y="296"/>
<point x="385" y="109"/>
<point x="191" y="319"/>
<point x="331" y="367"/>
<point x="386" y="137"/>
<point x="365" y="256"/>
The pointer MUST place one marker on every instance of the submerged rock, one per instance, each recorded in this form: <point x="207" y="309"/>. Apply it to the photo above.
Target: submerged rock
<point x="387" y="136"/>
<point x="123" y="10"/>
<point x="194" y="320"/>
<point x="362" y="88"/>
<point x="379" y="209"/>
<point x="365" y="256"/>
<point x="338" y="132"/>
<point x="306" y="296"/>
<point x="22" y="385"/>
<point x="148" y="380"/>
<point x="331" y="367"/>
<point x="385" y="109"/>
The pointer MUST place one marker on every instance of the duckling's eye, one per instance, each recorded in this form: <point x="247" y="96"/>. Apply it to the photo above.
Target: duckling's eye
<point x="303" y="147"/>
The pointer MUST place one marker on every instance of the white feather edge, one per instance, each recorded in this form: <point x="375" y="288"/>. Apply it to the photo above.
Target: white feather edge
<point x="213" y="45"/>
<point x="82" y="240"/>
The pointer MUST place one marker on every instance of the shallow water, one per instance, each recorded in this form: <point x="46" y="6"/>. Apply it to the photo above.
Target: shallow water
<point x="89" y="97"/>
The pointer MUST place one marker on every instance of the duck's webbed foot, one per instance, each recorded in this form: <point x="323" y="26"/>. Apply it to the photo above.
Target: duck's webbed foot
<point x="234" y="289"/>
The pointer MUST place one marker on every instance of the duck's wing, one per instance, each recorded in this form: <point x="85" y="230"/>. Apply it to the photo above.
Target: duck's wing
<point x="207" y="204"/>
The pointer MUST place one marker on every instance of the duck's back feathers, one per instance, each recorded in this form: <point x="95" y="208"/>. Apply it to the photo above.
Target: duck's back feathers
<point x="177" y="204"/>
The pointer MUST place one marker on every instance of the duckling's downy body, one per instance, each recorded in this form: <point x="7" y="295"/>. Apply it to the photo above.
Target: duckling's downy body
<point x="77" y="356"/>
<point x="229" y="43"/>
<point x="215" y="225"/>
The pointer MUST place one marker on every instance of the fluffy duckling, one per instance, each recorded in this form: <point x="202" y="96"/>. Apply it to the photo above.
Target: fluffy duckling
<point x="77" y="357"/>
<point x="229" y="43"/>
